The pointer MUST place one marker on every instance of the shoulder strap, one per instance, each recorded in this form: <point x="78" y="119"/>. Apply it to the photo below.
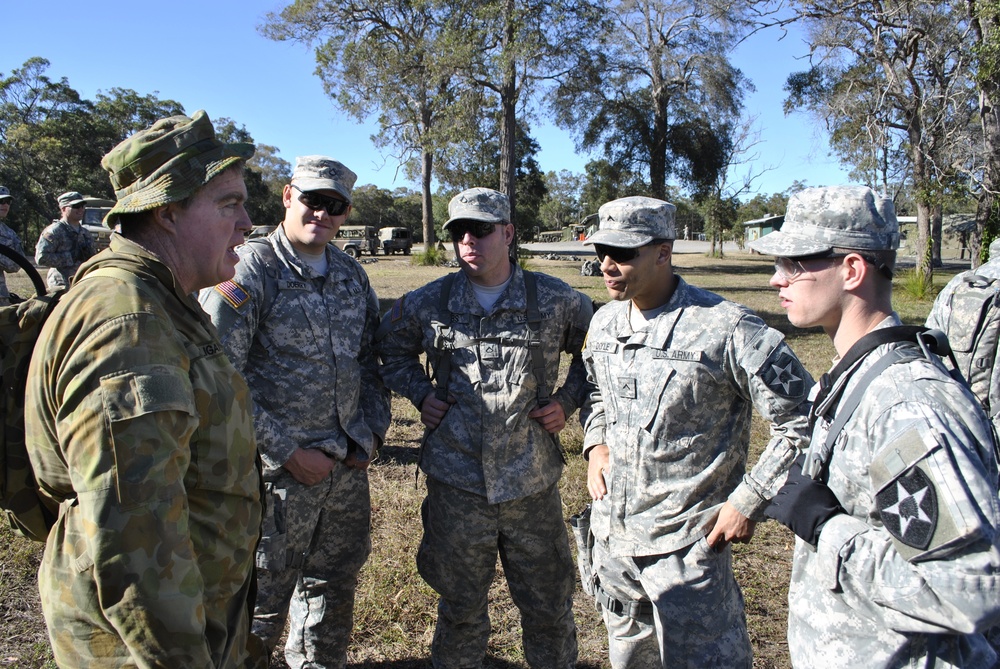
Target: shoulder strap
<point x="443" y="369"/>
<point x="534" y="337"/>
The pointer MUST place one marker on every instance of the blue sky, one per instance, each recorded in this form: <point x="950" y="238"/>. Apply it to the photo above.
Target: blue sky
<point x="208" y="55"/>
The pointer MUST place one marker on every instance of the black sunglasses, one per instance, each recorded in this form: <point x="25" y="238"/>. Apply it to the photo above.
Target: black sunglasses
<point x="620" y="254"/>
<point x="316" y="202"/>
<point x="477" y="229"/>
<point x="78" y="205"/>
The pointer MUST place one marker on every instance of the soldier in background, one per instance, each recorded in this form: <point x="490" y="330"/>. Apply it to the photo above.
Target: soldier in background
<point x="64" y="244"/>
<point x="894" y="504"/>
<point x="298" y="320"/>
<point x="140" y="427"/>
<point x="968" y="311"/>
<point x="9" y="239"/>
<point x="678" y="371"/>
<point x="493" y="334"/>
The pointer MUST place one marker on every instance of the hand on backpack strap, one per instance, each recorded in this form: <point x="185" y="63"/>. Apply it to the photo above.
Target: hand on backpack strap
<point x="803" y="504"/>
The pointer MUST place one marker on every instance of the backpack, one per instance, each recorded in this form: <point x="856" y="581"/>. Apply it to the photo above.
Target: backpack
<point x="973" y="328"/>
<point x="29" y="512"/>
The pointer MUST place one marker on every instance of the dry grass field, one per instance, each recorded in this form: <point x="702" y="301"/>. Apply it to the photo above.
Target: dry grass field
<point x="395" y="609"/>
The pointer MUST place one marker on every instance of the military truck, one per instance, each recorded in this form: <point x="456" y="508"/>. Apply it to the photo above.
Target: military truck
<point x="355" y="240"/>
<point x="395" y="239"/>
<point x="95" y="209"/>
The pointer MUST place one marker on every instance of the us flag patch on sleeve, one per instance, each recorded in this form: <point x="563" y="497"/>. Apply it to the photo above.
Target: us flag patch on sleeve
<point x="233" y="293"/>
<point x="397" y="310"/>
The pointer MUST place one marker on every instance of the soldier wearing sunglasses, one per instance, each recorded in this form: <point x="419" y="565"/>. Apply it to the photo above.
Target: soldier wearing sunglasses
<point x="894" y="504"/>
<point x="65" y="243"/>
<point x="493" y="334"/>
<point x="298" y="320"/>
<point x="678" y="372"/>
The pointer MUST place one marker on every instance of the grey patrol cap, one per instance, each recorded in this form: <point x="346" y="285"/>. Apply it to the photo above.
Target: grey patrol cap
<point x="478" y="204"/>
<point x="821" y="219"/>
<point x="323" y="173"/>
<point x="70" y="198"/>
<point x="631" y="222"/>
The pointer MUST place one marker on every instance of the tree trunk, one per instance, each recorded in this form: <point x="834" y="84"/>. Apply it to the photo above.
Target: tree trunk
<point x="427" y="204"/>
<point x="937" y="232"/>
<point x="508" y="127"/>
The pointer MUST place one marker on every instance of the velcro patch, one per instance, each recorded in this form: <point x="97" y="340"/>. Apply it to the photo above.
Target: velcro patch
<point x="627" y="387"/>
<point x="909" y="508"/>
<point x="784" y="375"/>
<point x="397" y="310"/>
<point x="233" y="293"/>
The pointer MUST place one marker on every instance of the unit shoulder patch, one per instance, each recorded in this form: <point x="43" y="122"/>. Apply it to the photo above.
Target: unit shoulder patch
<point x="909" y="508"/>
<point x="784" y="375"/>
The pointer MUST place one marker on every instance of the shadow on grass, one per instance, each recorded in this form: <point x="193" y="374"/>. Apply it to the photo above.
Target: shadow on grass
<point x="397" y="455"/>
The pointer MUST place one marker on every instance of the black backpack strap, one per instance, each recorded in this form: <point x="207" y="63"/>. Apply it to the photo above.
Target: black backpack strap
<point x="849" y="404"/>
<point x="443" y="368"/>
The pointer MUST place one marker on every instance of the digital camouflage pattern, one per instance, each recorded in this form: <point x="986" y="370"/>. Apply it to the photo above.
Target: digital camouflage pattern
<point x="686" y="386"/>
<point x="630" y="222"/>
<point x="322" y="173"/>
<point x="457" y="557"/>
<point x="486" y="444"/>
<point x="673" y="404"/>
<point x="141" y="428"/>
<point x="820" y="219"/>
<point x="305" y="344"/>
<point x="167" y="162"/>
<point x="479" y="204"/>
<point x="968" y="311"/>
<point x="69" y="198"/>
<point x="62" y="247"/>
<point x="9" y="239"/>
<point x="909" y="574"/>
<point x="492" y="470"/>
<point x="700" y="627"/>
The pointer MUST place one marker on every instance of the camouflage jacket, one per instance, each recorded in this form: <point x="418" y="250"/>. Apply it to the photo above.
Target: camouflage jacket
<point x="140" y="426"/>
<point x="62" y="247"/>
<point x="909" y="575"/>
<point x="486" y="444"/>
<point x="9" y="239"/>
<point x="304" y="343"/>
<point x="673" y="406"/>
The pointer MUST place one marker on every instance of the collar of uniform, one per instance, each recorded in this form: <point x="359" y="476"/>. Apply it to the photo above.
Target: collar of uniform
<point x="462" y="297"/>
<point x="142" y="262"/>
<point x="661" y="327"/>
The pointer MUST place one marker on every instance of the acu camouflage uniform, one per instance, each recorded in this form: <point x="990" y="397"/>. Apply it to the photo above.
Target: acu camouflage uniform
<point x="62" y="247"/>
<point x="492" y="470"/>
<point x="956" y="323"/>
<point x="304" y="342"/>
<point x="9" y="239"/>
<point x="140" y="427"/>
<point x="909" y="575"/>
<point x="673" y="405"/>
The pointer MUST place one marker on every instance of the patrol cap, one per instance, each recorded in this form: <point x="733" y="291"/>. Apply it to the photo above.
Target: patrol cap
<point x="167" y="162"/>
<point x="5" y="193"/>
<point x="322" y="173"/>
<point x="478" y="204"/>
<point x="69" y="199"/>
<point x="820" y="219"/>
<point x="631" y="222"/>
<point x="995" y="249"/>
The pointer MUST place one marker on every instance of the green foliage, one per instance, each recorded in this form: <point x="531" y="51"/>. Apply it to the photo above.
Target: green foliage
<point x="914" y="284"/>
<point x="430" y="256"/>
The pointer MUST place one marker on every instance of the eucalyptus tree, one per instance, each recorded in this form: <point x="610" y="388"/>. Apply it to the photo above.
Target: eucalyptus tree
<point x="385" y="58"/>
<point x="511" y="49"/>
<point x="916" y="63"/>
<point x="984" y="27"/>
<point x="650" y="93"/>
